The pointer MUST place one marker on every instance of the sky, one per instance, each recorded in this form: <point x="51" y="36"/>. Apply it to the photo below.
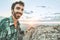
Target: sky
<point x="38" y="10"/>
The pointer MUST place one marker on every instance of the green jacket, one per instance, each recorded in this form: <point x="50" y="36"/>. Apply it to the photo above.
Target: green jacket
<point x="9" y="32"/>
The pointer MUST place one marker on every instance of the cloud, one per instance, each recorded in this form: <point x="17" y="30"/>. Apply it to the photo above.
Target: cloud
<point x="16" y="0"/>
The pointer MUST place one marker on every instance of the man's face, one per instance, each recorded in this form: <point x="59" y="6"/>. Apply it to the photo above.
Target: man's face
<point x="18" y="11"/>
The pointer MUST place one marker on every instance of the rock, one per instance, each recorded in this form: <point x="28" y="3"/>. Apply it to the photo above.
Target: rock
<point x="44" y="32"/>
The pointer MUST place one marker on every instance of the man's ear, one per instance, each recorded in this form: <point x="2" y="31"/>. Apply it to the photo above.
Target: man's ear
<point x="12" y="11"/>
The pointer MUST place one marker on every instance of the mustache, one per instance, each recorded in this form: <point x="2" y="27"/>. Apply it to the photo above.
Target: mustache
<point x="18" y="13"/>
<point x="18" y="16"/>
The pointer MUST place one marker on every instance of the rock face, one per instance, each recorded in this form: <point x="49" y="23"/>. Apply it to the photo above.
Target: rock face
<point x="44" y="32"/>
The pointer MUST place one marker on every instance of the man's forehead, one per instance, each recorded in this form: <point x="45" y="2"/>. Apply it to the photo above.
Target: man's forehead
<point x="19" y="5"/>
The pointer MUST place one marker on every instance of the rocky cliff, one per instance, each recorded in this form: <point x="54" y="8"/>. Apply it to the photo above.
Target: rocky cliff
<point x="43" y="32"/>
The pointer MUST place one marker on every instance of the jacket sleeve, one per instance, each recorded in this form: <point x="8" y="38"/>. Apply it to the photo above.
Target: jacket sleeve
<point x="4" y="31"/>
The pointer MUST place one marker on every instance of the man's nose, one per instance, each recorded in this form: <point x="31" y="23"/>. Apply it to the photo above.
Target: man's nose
<point x="20" y="11"/>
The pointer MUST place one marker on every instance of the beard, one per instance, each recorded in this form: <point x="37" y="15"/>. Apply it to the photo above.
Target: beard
<point x="15" y="15"/>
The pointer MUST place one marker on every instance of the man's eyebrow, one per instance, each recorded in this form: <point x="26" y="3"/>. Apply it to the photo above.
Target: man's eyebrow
<point x="17" y="7"/>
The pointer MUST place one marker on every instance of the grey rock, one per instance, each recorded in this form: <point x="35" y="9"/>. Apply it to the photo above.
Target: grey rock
<point x="44" y="32"/>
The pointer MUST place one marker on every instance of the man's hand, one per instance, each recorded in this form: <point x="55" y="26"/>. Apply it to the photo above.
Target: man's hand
<point x="30" y="28"/>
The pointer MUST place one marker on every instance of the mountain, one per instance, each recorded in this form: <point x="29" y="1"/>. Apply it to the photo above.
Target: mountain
<point x="44" y="32"/>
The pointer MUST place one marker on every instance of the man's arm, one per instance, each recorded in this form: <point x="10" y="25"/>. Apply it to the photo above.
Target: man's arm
<point x="4" y="31"/>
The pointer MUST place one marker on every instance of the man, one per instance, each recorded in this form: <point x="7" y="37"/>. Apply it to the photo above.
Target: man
<point x="11" y="26"/>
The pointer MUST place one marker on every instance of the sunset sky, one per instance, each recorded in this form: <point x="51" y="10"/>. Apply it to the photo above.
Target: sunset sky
<point x="35" y="12"/>
<point x="40" y="10"/>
